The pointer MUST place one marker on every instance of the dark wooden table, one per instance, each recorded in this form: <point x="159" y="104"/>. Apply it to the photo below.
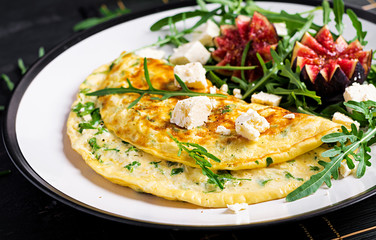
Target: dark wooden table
<point x="28" y="213"/>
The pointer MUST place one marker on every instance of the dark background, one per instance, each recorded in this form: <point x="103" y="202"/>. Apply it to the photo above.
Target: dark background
<point x="28" y="213"/>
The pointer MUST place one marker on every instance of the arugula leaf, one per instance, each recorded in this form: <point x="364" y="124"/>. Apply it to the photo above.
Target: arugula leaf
<point x="284" y="49"/>
<point x="201" y="156"/>
<point x="353" y="145"/>
<point x="339" y="10"/>
<point x="358" y="27"/>
<point x="185" y="91"/>
<point x="326" y="12"/>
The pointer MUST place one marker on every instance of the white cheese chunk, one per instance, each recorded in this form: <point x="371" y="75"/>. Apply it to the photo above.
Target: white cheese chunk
<point x="151" y="53"/>
<point x="237" y="93"/>
<point x="281" y="28"/>
<point x="344" y="170"/>
<point x="237" y="207"/>
<point x="224" y="88"/>
<point x="213" y="90"/>
<point x="87" y="117"/>
<point x="206" y="33"/>
<point x="289" y="116"/>
<point x="344" y="120"/>
<point x="357" y="92"/>
<point x="266" y="99"/>
<point x="192" y="74"/>
<point x="191" y="112"/>
<point x="223" y="131"/>
<point x="250" y="125"/>
<point x="190" y="52"/>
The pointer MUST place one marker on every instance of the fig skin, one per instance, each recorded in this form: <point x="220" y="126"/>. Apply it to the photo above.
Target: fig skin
<point x="256" y="31"/>
<point x="329" y="66"/>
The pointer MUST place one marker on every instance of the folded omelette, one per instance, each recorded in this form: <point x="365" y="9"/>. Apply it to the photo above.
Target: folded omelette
<point x="112" y="156"/>
<point x="147" y="124"/>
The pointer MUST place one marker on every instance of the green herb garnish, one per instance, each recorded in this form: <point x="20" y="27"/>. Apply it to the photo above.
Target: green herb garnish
<point x="348" y="143"/>
<point x="288" y="175"/>
<point x="131" y="166"/>
<point x="185" y="91"/>
<point x="201" y="156"/>
<point x="176" y="171"/>
<point x="314" y="168"/>
<point x="269" y="161"/>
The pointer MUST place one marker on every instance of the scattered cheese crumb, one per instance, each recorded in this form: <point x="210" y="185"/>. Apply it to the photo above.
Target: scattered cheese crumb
<point x="191" y="112"/>
<point x="251" y="124"/>
<point x="237" y="207"/>
<point x="344" y="120"/>
<point x="87" y="117"/>
<point x="281" y="28"/>
<point x="344" y="170"/>
<point x="237" y="93"/>
<point x="266" y="99"/>
<point x="222" y="130"/>
<point x="357" y="92"/>
<point x="213" y="90"/>
<point x="289" y="116"/>
<point x="206" y="33"/>
<point x="224" y="88"/>
<point x="151" y="53"/>
<point x="214" y="102"/>
<point x="192" y="74"/>
<point x="190" y="52"/>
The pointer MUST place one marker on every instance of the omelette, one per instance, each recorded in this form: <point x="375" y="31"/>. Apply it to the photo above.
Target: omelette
<point x="147" y="125"/>
<point x="126" y="164"/>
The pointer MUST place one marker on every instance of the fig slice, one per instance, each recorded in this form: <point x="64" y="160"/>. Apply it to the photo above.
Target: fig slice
<point x="256" y="31"/>
<point x="328" y="66"/>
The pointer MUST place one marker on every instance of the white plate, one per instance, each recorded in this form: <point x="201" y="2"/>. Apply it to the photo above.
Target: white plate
<point x="36" y="139"/>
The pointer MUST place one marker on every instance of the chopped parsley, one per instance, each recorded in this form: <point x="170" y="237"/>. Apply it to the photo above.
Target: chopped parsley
<point x="176" y="171"/>
<point x="132" y="165"/>
<point x="314" y="168"/>
<point x="263" y="182"/>
<point x="290" y="176"/>
<point x="269" y="161"/>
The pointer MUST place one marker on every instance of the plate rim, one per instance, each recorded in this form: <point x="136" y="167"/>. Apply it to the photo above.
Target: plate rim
<point x="9" y="136"/>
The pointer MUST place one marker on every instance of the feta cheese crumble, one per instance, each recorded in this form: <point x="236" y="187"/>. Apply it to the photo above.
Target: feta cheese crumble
<point x="192" y="74"/>
<point x="281" y="28"/>
<point x="237" y="93"/>
<point x="237" y="207"/>
<point x="224" y="88"/>
<point x="345" y="171"/>
<point x="357" y="92"/>
<point x="206" y="33"/>
<point x="191" y="112"/>
<point x="289" y="116"/>
<point x="151" y="53"/>
<point x="223" y="131"/>
<point x="344" y="120"/>
<point x="250" y="125"/>
<point x="213" y="90"/>
<point x="190" y="52"/>
<point x="266" y="99"/>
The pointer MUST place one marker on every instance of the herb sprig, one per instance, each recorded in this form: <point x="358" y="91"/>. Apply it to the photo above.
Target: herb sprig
<point x="353" y="145"/>
<point x="185" y="91"/>
<point x="201" y="156"/>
